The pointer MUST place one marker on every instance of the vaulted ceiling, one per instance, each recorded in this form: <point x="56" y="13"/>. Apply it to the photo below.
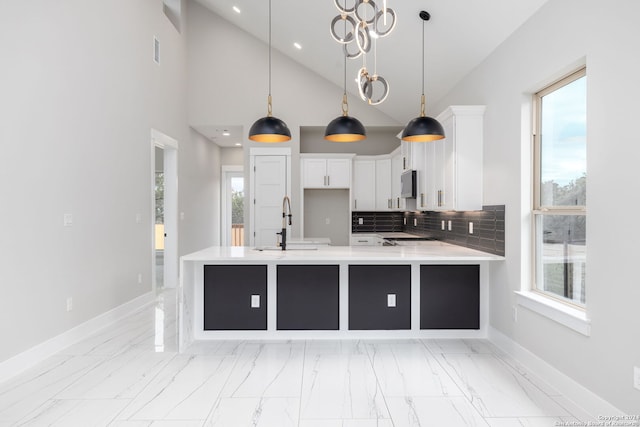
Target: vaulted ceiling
<point x="458" y="37"/>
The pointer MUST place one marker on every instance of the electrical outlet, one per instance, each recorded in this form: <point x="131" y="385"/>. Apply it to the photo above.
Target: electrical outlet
<point x="404" y="220"/>
<point x="181" y="216"/>
<point x="415" y="222"/>
<point x="360" y="221"/>
<point x="255" y="301"/>
<point x="391" y="300"/>
<point x="449" y="225"/>
<point x="470" y="227"/>
<point x="442" y="225"/>
<point x="67" y="220"/>
<point x="139" y="278"/>
<point x="327" y="221"/>
<point x="69" y="303"/>
<point x="138" y="218"/>
<point x="636" y="377"/>
<point x="514" y="313"/>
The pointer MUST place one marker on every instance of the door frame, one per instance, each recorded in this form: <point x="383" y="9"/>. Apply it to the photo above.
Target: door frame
<point x="228" y="171"/>
<point x="259" y="151"/>
<point x="170" y="149"/>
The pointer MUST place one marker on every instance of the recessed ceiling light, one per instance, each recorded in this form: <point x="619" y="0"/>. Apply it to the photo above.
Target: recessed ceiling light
<point x="238" y="144"/>
<point x="225" y="133"/>
<point x="297" y="45"/>
<point x="236" y="9"/>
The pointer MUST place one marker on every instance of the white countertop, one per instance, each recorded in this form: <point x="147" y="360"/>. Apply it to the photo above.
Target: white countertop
<point x="429" y="251"/>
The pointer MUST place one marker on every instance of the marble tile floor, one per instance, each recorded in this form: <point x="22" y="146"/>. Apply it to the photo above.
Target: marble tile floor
<point x="130" y="375"/>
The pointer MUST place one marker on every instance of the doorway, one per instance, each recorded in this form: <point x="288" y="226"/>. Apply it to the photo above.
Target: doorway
<point x="233" y="206"/>
<point x="164" y="208"/>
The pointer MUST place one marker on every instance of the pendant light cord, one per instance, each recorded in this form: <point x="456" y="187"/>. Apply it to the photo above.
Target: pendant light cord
<point x="422" y="106"/>
<point x="269" y="108"/>
<point x="345" y="105"/>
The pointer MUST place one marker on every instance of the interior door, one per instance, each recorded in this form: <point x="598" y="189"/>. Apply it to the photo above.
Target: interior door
<point x="270" y="184"/>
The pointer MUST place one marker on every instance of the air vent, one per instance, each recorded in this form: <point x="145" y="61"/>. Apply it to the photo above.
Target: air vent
<point x="156" y="50"/>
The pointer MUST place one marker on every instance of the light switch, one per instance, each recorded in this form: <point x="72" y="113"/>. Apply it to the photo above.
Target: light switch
<point x="391" y="300"/>
<point x="360" y="221"/>
<point x="255" y="301"/>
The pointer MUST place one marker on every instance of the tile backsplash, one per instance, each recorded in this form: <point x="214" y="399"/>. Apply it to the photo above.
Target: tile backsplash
<point x="488" y="226"/>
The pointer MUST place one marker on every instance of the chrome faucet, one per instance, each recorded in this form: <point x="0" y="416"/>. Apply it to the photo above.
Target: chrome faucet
<point x="286" y="207"/>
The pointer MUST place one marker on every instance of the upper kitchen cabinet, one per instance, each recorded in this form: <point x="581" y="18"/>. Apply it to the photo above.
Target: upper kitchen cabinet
<point x="326" y="170"/>
<point x="383" y="185"/>
<point x="397" y="168"/>
<point x="457" y="164"/>
<point x="364" y="185"/>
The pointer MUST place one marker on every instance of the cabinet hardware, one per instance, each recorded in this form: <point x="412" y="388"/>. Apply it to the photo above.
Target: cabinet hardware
<point x="328" y="180"/>
<point x="398" y="202"/>
<point x="355" y="204"/>
<point x="421" y="199"/>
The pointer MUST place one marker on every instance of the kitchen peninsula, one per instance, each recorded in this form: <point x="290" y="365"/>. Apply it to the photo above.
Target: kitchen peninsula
<point x="431" y="290"/>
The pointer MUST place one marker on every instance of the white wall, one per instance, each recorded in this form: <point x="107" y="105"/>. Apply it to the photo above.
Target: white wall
<point x="563" y="34"/>
<point x="80" y="95"/>
<point x="228" y="84"/>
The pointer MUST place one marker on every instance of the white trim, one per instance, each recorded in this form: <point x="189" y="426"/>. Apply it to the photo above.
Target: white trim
<point x="570" y="317"/>
<point x="568" y="387"/>
<point x="170" y="152"/>
<point x="42" y="351"/>
<point x="272" y="151"/>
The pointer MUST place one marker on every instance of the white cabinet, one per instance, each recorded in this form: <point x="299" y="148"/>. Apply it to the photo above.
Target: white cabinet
<point x="383" y="185"/>
<point x="396" y="172"/>
<point x="364" y="185"/>
<point x="326" y="172"/>
<point x="457" y="165"/>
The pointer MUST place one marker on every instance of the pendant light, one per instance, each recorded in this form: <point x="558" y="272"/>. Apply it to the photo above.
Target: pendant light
<point x="269" y="128"/>
<point x="423" y="128"/>
<point x="345" y="128"/>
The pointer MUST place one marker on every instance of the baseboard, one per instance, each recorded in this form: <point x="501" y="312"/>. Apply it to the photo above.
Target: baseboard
<point x="42" y="351"/>
<point x="568" y="387"/>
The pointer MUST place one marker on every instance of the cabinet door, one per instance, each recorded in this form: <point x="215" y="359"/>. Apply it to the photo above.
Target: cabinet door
<point x="235" y="297"/>
<point x="438" y="171"/>
<point x="339" y="173"/>
<point x="308" y="297"/>
<point x="364" y="185"/>
<point x="428" y="177"/>
<point x="379" y="297"/>
<point x="405" y="150"/>
<point x="315" y="173"/>
<point x="449" y="297"/>
<point x="417" y="157"/>
<point x="383" y="185"/>
<point x="448" y="195"/>
<point x="396" y="172"/>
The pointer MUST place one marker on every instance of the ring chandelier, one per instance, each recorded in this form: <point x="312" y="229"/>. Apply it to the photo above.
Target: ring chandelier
<point x="358" y="28"/>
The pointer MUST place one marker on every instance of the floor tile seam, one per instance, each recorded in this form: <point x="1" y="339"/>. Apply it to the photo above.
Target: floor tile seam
<point x="378" y="385"/>
<point x="149" y="382"/>
<point x="304" y="359"/>
<point x="219" y="397"/>
<point x="465" y="395"/>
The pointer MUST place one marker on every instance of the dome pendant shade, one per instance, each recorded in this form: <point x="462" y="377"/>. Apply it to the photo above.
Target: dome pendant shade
<point x="423" y="129"/>
<point x="345" y="129"/>
<point x="269" y="129"/>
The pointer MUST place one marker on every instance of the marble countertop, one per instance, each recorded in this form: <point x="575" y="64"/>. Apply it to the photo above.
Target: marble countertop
<point x="430" y="251"/>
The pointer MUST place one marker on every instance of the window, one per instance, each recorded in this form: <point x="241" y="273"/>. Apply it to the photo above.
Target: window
<point x="560" y="183"/>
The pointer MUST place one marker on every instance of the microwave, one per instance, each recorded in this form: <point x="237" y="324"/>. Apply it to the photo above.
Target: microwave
<point x="408" y="181"/>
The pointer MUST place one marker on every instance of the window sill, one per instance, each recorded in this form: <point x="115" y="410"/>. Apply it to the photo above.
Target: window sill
<point x="570" y="317"/>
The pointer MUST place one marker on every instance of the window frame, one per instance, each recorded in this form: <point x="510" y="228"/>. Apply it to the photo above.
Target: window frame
<point x="539" y="210"/>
